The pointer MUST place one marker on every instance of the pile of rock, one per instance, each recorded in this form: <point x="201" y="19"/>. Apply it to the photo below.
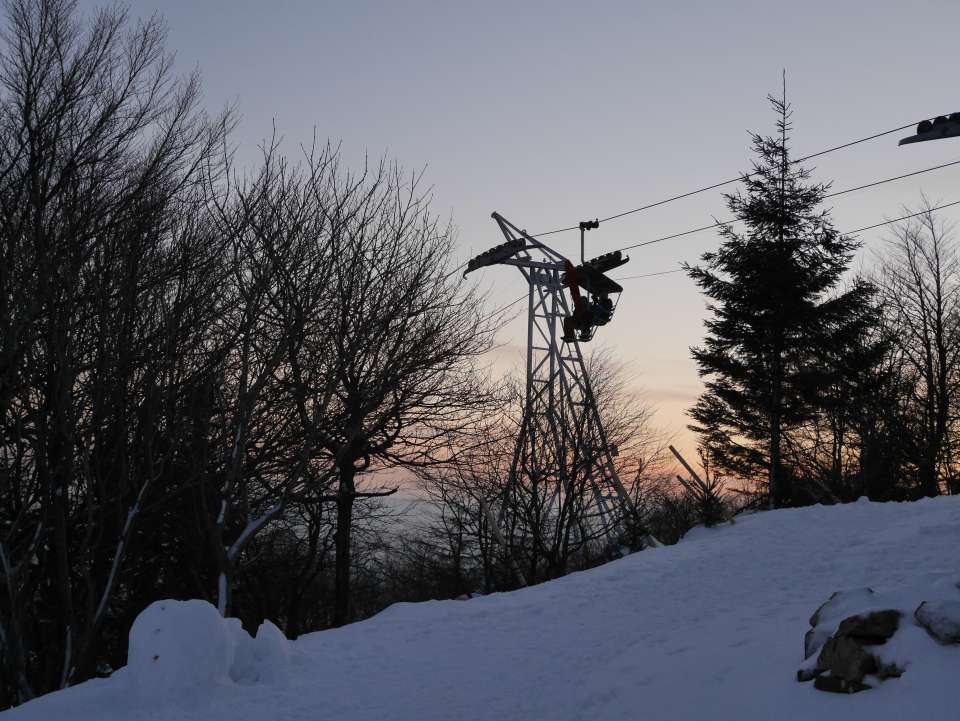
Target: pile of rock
<point x="848" y="630"/>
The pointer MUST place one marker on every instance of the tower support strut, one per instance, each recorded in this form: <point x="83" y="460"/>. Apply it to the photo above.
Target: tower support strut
<point x="563" y="491"/>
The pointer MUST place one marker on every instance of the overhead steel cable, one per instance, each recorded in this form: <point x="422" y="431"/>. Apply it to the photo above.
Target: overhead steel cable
<point x="890" y="180"/>
<point x="681" y="270"/>
<point x="716" y="224"/>
<point x="500" y="310"/>
<point x="903" y="217"/>
<point x="678" y="197"/>
<point x="455" y="271"/>
<point x="649" y="275"/>
<point x="855" y="142"/>
<point x="721" y="223"/>
<point x="722" y="183"/>
<point x="851" y="232"/>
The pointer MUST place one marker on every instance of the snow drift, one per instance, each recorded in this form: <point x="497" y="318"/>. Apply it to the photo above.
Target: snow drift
<point x="184" y="648"/>
<point x="710" y="629"/>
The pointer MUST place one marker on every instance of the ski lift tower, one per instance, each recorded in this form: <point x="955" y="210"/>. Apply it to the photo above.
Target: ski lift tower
<point x="563" y="462"/>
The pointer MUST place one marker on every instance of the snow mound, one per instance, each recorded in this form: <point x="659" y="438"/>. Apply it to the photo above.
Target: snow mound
<point x="260" y="659"/>
<point x="181" y="649"/>
<point x="177" y="647"/>
<point x="272" y="652"/>
<point x="711" y="628"/>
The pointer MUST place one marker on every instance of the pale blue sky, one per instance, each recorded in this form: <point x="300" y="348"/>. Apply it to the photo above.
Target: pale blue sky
<point x="553" y="113"/>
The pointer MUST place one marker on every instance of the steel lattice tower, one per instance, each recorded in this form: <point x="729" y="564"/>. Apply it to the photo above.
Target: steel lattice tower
<point x="562" y="469"/>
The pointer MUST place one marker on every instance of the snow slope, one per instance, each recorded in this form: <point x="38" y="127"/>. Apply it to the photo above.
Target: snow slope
<point x="711" y="628"/>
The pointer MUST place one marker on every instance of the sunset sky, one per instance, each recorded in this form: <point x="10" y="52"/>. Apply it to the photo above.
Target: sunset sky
<point x="552" y="113"/>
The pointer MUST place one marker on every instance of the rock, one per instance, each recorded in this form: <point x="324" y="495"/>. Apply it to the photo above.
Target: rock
<point x="842" y="601"/>
<point x="813" y="640"/>
<point x="887" y="670"/>
<point x="870" y="628"/>
<point x="843" y="630"/>
<point x="844" y="658"/>
<point x="839" y="685"/>
<point x="824" y="619"/>
<point x="941" y="619"/>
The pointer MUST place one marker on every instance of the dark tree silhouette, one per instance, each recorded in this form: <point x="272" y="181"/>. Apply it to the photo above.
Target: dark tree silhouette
<point x="921" y="288"/>
<point x="403" y="335"/>
<point x="542" y="538"/>
<point x="104" y="273"/>
<point x="771" y="313"/>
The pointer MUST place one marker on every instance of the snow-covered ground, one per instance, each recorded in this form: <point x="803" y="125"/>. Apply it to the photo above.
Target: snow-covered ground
<point x="710" y="629"/>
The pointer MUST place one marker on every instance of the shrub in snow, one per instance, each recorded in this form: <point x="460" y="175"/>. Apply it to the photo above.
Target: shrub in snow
<point x="177" y="646"/>
<point x="709" y="503"/>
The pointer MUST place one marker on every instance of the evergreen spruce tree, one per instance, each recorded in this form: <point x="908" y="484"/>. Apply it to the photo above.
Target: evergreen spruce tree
<point x="775" y="315"/>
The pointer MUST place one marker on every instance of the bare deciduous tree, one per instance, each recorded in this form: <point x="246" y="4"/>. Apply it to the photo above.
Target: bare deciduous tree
<point x="405" y="334"/>
<point x="276" y="299"/>
<point x="544" y="534"/>
<point x="102" y="152"/>
<point x="921" y="285"/>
